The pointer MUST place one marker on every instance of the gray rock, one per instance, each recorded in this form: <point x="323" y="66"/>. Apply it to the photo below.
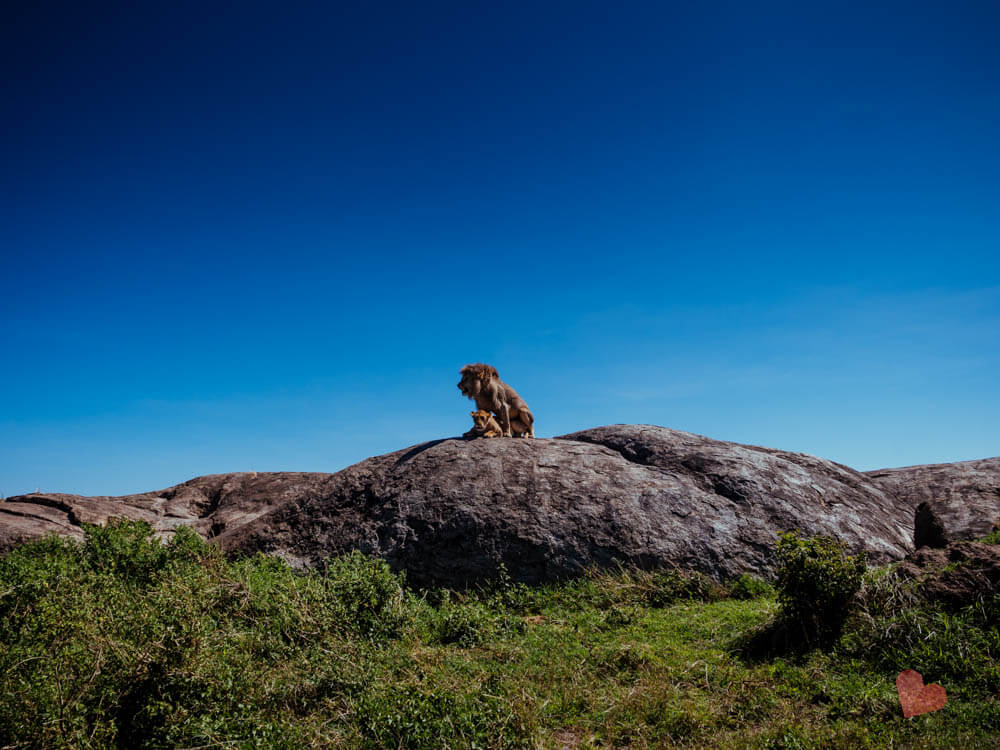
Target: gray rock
<point x="449" y="512"/>
<point x="208" y="504"/>
<point x="964" y="495"/>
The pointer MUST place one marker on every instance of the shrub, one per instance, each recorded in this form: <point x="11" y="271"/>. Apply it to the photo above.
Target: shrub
<point x="746" y="586"/>
<point x="369" y="594"/>
<point x="88" y="631"/>
<point x="817" y="579"/>
<point x="504" y="593"/>
<point x="125" y="641"/>
<point x="470" y="624"/>
<point x="124" y="549"/>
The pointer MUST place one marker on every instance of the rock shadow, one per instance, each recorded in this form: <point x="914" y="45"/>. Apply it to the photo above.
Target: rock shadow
<point x="418" y="449"/>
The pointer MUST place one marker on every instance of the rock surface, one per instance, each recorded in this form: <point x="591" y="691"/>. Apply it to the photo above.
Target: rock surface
<point x="209" y="504"/>
<point x="449" y="512"/>
<point x="964" y="495"/>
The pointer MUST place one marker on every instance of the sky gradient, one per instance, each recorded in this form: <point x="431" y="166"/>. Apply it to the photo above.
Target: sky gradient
<point x="241" y="236"/>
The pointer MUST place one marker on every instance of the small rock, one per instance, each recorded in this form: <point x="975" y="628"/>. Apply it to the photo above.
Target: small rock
<point x="956" y="576"/>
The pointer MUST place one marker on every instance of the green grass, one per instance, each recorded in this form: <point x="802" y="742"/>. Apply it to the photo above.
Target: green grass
<point x="992" y="538"/>
<point x="124" y="642"/>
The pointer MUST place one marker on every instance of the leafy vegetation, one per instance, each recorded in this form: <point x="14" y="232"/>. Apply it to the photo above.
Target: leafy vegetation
<point x="748" y="586"/>
<point x="122" y="641"/>
<point x="817" y="580"/>
<point x="992" y="538"/>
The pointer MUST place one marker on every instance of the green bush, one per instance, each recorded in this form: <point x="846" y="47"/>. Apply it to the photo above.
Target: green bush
<point x="745" y="587"/>
<point x="370" y="595"/>
<point x="124" y="640"/>
<point x="817" y="579"/>
<point x="126" y="550"/>
<point x="88" y="631"/>
<point x="471" y="624"/>
<point x="506" y="594"/>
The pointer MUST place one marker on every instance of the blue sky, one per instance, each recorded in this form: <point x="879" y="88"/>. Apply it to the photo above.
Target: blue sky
<point x="257" y="236"/>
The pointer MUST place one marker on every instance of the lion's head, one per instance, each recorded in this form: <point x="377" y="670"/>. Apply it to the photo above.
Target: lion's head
<point x="474" y="377"/>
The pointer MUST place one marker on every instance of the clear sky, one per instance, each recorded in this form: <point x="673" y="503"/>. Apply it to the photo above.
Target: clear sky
<point x="241" y="236"/>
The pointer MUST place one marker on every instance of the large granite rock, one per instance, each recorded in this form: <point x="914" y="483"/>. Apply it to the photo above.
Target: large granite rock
<point x="449" y="512"/>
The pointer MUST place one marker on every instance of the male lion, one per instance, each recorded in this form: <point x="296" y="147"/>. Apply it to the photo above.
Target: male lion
<point x="482" y="383"/>
<point x="484" y="425"/>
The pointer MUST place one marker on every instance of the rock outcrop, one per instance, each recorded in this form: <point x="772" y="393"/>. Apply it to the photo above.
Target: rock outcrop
<point x="209" y="504"/>
<point x="958" y="575"/>
<point x="964" y="495"/>
<point x="449" y="512"/>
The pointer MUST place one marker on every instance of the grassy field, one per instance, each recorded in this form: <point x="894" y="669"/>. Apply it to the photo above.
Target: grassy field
<point x="123" y="642"/>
